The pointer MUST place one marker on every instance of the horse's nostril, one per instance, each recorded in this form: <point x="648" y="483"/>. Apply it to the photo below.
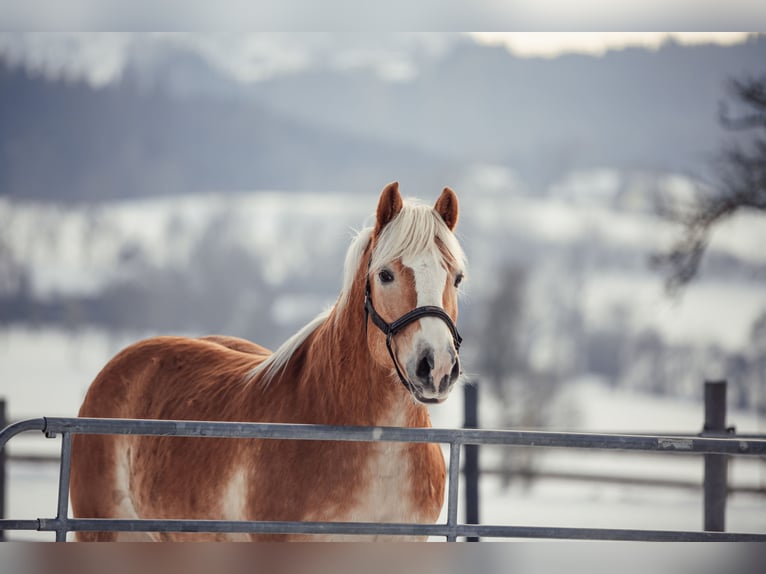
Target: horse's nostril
<point x="448" y="380"/>
<point x="425" y="365"/>
<point x="455" y="370"/>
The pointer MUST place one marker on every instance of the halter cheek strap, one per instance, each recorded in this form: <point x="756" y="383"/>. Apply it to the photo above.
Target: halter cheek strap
<point x="391" y="329"/>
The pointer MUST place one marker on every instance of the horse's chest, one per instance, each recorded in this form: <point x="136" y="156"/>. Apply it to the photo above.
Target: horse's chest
<point x="386" y="493"/>
<point x="396" y="486"/>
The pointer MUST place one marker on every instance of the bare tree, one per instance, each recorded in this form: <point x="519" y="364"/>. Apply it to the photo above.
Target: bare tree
<point x="757" y="388"/>
<point x="740" y="182"/>
<point x="502" y="353"/>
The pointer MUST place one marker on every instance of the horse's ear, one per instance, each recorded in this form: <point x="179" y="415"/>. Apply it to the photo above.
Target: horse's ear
<point x="389" y="206"/>
<point x="447" y="207"/>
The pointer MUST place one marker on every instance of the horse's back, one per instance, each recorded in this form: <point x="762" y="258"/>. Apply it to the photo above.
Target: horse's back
<point x="237" y="344"/>
<point x="159" y="378"/>
<point x="146" y="379"/>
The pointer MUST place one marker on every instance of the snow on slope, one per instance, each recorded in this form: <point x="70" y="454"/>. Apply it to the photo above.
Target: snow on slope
<point x="73" y="250"/>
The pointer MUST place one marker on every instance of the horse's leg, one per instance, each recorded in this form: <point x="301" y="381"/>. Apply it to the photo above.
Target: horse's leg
<point x="93" y="455"/>
<point x="99" y="486"/>
<point x="99" y="479"/>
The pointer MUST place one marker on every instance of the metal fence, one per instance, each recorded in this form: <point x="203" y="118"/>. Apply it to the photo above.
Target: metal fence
<point x="456" y="439"/>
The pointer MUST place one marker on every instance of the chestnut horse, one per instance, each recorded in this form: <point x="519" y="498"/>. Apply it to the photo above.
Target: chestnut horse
<point x="385" y="349"/>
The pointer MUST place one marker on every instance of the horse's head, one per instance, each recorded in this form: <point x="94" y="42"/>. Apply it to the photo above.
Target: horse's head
<point x="414" y="270"/>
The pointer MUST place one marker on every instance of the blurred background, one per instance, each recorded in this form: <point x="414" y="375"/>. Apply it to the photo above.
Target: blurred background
<point x="209" y="183"/>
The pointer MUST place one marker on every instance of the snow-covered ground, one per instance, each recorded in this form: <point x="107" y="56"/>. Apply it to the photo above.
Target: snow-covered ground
<point x="75" y="249"/>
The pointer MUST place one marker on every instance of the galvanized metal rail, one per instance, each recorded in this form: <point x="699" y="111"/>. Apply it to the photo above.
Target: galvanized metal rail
<point x="455" y="438"/>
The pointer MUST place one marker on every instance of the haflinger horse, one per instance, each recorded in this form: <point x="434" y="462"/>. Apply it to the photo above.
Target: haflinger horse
<point x="386" y="349"/>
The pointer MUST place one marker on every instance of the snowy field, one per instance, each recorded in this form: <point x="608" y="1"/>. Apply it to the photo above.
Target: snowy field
<point x="55" y="387"/>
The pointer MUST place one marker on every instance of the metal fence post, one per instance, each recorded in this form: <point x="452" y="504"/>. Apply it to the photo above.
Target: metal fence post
<point x="715" y="485"/>
<point x="471" y="465"/>
<point x="3" y="423"/>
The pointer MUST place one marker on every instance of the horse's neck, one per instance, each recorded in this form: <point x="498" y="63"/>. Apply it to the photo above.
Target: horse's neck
<point x="337" y="382"/>
<point x="356" y="382"/>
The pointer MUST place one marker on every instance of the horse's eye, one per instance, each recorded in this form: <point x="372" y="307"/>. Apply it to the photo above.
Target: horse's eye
<point x="386" y="276"/>
<point x="458" y="279"/>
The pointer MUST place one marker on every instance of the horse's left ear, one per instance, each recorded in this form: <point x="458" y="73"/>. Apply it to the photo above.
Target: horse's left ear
<point x="389" y="206"/>
<point x="447" y="207"/>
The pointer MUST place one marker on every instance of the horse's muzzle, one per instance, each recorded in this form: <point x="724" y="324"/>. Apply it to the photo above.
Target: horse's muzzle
<point x="433" y="377"/>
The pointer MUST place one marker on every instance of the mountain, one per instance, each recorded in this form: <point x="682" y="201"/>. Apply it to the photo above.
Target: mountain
<point x="175" y="123"/>
<point x="631" y="108"/>
<point x="65" y="140"/>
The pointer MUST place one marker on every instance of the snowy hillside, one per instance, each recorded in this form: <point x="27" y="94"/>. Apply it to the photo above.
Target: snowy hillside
<point x="77" y="250"/>
<point x="74" y="249"/>
<point x="260" y="264"/>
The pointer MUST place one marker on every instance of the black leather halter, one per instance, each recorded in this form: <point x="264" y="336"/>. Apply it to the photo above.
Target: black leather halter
<point x="391" y="329"/>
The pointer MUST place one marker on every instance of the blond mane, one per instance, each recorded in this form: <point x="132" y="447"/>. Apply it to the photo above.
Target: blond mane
<point x="417" y="228"/>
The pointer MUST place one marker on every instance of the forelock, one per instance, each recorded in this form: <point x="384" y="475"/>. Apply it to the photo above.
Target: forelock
<point x="415" y="230"/>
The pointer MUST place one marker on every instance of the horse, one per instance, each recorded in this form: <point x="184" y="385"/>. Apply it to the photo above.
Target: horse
<point x="379" y="356"/>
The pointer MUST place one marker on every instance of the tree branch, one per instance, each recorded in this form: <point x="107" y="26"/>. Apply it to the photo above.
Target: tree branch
<point x="741" y="184"/>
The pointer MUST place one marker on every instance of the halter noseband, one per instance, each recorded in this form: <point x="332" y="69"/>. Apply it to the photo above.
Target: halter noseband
<point x="391" y="329"/>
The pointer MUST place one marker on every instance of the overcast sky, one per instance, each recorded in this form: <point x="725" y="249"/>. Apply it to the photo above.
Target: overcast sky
<point x="100" y="57"/>
<point x="372" y="15"/>
<point x="556" y="43"/>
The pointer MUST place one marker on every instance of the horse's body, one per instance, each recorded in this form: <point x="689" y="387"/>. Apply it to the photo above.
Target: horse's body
<point x="335" y="371"/>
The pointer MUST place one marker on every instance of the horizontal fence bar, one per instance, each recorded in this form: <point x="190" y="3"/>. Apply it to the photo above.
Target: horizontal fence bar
<point x="525" y="475"/>
<point x="374" y="528"/>
<point x="24" y="524"/>
<point x="654" y="443"/>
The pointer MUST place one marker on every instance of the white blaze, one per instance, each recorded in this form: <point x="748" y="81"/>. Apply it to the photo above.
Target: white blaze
<point x="430" y="280"/>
